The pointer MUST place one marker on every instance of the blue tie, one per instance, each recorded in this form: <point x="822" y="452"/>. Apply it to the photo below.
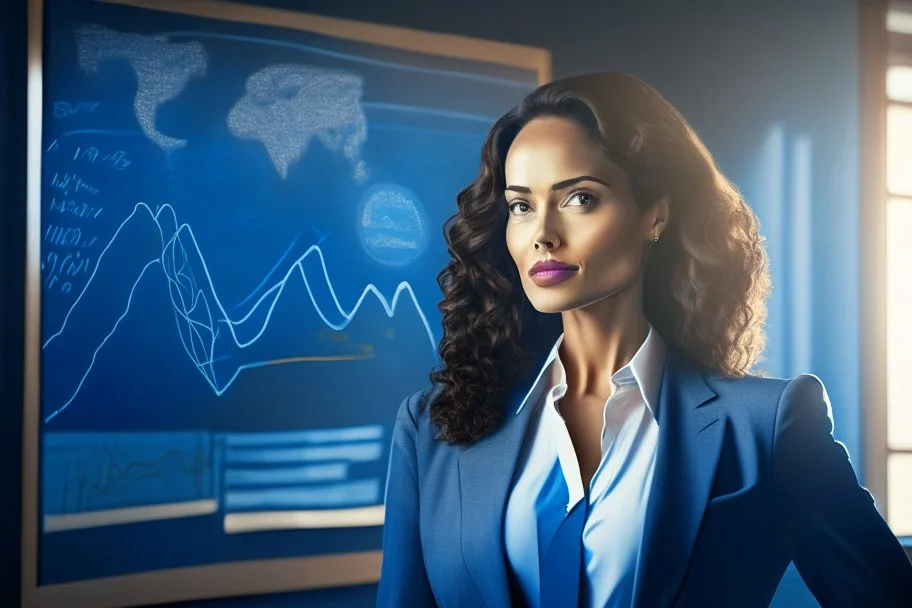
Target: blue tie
<point x="560" y="538"/>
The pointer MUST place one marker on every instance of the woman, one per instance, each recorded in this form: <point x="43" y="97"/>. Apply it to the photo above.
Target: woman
<point x="593" y="437"/>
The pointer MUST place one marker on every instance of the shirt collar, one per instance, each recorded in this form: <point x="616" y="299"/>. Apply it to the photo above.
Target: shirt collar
<point x="644" y="370"/>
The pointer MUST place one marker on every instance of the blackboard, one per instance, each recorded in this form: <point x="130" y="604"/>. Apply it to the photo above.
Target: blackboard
<point x="241" y="226"/>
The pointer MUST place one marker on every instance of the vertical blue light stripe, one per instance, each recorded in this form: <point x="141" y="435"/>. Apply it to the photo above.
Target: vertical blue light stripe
<point x="768" y="205"/>
<point x="800" y="259"/>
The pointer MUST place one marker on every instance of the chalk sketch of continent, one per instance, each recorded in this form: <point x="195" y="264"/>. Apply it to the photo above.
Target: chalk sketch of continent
<point x="162" y="69"/>
<point x="285" y="106"/>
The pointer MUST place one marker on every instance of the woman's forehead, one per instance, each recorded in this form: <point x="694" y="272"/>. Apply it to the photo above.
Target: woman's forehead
<point x="550" y="150"/>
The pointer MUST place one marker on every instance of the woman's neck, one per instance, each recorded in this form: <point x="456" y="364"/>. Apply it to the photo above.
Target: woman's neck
<point x="600" y="339"/>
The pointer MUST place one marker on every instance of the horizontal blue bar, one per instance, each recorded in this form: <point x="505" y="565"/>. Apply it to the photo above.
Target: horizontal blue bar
<point x="288" y="475"/>
<point x="355" y="433"/>
<point x="337" y="495"/>
<point x="360" y="452"/>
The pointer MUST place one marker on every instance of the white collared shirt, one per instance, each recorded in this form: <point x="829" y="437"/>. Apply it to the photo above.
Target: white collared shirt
<point x="618" y="491"/>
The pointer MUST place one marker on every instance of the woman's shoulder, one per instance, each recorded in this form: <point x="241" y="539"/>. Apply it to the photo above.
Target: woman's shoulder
<point x="415" y="407"/>
<point x="413" y="418"/>
<point x="769" y="401"/>
<point x="759" y="384"/>
<point x="415" y="432"/>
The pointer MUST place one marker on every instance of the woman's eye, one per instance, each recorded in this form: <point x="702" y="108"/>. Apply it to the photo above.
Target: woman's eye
<point x="584" y="199"/>
<point x="518" y="207"/>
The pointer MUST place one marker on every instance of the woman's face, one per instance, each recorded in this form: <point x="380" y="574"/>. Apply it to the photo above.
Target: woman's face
<point x="568" y="203"/>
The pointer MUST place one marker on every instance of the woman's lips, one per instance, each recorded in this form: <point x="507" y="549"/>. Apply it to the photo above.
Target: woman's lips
<point x="547" y="278"/>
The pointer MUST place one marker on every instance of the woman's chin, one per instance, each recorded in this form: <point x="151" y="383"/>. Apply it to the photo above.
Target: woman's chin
<point x="552" y="303"/>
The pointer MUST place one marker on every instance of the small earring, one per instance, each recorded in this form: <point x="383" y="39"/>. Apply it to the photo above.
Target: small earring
<point x="656" y="237"/>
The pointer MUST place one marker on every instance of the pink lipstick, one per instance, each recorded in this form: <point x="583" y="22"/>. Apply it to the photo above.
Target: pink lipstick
<point x="551" y="272"/>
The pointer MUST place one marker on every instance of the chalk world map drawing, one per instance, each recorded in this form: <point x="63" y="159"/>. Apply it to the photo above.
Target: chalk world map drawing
<point x="162" y="69"/>
<point x="286" y="106"/>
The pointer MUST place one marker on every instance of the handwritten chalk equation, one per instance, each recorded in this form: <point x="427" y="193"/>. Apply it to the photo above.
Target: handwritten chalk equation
<point x="60" y="270"/>
<point x="72" y="209"/>
<point x="116" y="160"/>
<point x="67" y="236"/>
<point x="68" y="261"/>
<point x="75" y="208"/>
<point x="72" y="184"/>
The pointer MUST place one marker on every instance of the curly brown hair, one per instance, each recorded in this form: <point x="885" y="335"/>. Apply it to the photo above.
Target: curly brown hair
<point x="705" y="284"/>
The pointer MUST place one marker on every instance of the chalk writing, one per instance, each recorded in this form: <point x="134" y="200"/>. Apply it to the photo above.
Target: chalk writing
<point x="62" y="109"/>
<point x="67" y="236"/>
<point x="70" y="208"/>
<point x="70" y="265"/>
<point x="71" y="183"/>
<point x="63" y="268"/>
<point x="51" y="283"/>
<point x="116" y="160"/>
<point x="75" y="208"/>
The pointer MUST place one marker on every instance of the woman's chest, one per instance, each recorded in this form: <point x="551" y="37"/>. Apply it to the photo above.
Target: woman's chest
<point x="583" y="420"/>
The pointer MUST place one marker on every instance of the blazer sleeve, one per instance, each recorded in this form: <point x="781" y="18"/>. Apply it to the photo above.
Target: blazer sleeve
<point x="403" y="578"/>
<point x="842" y="547"/>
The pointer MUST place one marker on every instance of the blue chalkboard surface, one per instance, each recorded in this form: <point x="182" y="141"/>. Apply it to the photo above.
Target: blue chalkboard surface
<point x="241" y="231"/>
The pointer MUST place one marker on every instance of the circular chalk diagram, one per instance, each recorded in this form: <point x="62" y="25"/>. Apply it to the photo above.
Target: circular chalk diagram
<point x="392" y="225"/>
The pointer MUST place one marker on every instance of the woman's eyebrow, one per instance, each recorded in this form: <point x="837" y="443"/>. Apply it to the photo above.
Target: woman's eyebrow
<point x="562" y="185"/>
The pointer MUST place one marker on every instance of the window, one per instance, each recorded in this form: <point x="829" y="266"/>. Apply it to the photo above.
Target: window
<point x="899" y="270"/>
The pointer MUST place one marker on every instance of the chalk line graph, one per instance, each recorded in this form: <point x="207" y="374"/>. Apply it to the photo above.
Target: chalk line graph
<point x="201" y="314"/>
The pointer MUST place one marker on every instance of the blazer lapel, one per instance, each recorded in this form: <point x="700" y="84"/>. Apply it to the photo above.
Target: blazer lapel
<point x="691" y="428"/>
<point x="485" y="476"/>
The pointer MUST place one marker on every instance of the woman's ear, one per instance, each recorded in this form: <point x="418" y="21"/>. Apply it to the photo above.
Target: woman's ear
<point x="657" y="217"/>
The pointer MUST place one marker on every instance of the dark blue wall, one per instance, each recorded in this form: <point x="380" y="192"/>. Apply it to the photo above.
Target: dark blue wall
<point x="736" y="71"/>
<point x="12" y="248"/>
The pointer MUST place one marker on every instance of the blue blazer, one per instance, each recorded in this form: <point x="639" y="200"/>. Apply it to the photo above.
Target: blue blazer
<point x="748" y="478"/>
